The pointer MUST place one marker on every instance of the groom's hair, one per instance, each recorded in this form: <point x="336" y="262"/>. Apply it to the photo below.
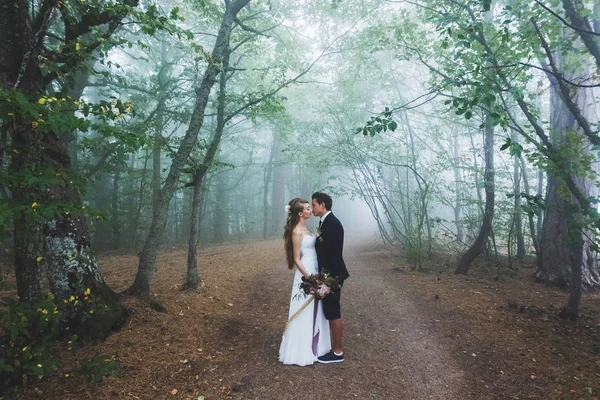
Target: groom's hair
<point x="323" y="198"/>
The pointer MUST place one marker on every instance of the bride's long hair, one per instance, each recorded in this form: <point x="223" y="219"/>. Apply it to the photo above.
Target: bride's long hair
<point x="295" y="206"/>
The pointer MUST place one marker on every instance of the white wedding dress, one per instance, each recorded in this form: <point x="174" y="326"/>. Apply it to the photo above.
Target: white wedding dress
<point x="307" y="337"/>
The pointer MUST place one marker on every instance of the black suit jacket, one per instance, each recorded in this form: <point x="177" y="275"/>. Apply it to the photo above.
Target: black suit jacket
<point x="329" y="247"/>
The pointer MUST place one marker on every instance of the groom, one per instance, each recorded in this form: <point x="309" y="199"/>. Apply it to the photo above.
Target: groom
<point x="329" y="248"/>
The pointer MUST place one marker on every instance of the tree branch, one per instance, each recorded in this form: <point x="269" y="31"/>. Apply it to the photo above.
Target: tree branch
<point x="584" y="29"/>
<point x="565" y="95"/>
<point x="564" y="21"/>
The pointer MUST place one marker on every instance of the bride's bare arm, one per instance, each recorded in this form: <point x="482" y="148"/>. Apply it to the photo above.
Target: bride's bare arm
<point x="297" y="244"/>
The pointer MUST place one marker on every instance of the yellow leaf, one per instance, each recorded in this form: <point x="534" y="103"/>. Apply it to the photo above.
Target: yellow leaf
<point x="473" y="355"/>
<point x="35" y="124"/>
<point x="87" y="292"/>
<point x="11" y="114"/>
<point x="42" y="65"/>
<point x="183" y="361"/>
<point x="174" y="391"/>
<point x="77" y="46"/>
<point x="42" y="100"/>
<point x="39" y="365"/>
<point x="34" y="205"/>
<point x="40" y="258"/>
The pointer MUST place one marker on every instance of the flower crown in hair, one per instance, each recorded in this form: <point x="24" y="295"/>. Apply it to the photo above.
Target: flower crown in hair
<point x="287" y="209"/>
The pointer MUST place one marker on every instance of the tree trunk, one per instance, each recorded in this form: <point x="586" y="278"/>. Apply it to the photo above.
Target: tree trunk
<point x="278" y="190"/>
<point x="520" y="255"/>
<point x="488" y="214"/>
<point x="192" y="280"/>
<point x="458" y="188"/>
<point x="532" y="228"/>
<point x="557" y="238"/>
<point x="141" y="285"/>
<point x="267" y="174"/>
<point x="115" y="220"/>
<point x="221" y="214"/>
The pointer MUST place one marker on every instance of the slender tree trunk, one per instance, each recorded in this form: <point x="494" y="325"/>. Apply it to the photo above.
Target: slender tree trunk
<point x="115" y="220"/>
<point x="458" y="188"/>
<point x="140" y="202"/>
<point x="268" y="172"/>
<point x="278" y="190"/>
<point x="192" y="280"/>
<point x="532" y="228"/>
<point x="488" y="215"/>
<point x="542" y="215"/>
<point x="520" y="255"/>
<point x="141" y="285"/>
<point x="221" y="213"/>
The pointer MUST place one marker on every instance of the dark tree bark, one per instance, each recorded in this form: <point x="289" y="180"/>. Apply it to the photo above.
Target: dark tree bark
<point x="488" y="214"/>
<point x="50" y="253"/>
<point x="141" y="284"/>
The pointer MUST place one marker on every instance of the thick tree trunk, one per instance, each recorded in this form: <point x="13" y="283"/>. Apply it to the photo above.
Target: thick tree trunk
<point x="52" y="239"/>
<point x="141" y="285"/>
<point x="557" y="247"/>
<point x="488" y="214"/>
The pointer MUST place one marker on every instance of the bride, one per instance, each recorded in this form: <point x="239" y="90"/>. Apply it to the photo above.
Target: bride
<point x="307" y="336"/>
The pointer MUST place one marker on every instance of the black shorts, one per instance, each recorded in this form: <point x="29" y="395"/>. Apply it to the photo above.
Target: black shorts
<point x="331" y="305"/>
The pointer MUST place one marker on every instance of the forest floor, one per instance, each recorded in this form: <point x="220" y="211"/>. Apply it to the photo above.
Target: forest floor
<point x="408" y="335"/>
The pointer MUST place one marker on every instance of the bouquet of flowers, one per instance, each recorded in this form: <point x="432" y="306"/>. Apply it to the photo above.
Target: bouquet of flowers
<point x="319" y="285"/>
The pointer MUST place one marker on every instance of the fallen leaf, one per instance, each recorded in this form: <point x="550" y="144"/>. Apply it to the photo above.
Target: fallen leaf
<point x="174" y="391"/>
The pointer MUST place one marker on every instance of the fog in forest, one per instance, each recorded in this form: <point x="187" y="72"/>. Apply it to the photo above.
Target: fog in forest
<point x="460" y="129"/>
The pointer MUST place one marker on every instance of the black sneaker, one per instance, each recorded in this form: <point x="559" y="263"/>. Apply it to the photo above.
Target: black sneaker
<point x="330" y="357"/>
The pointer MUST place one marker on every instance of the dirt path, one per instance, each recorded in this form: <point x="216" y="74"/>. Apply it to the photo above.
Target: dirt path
<point x="390" y="350"/>
<point x="401" y="340"/>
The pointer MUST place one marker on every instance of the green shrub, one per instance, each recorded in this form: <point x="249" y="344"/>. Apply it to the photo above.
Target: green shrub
<point x="99" y="367"/>
<point x="32" y="333"/>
